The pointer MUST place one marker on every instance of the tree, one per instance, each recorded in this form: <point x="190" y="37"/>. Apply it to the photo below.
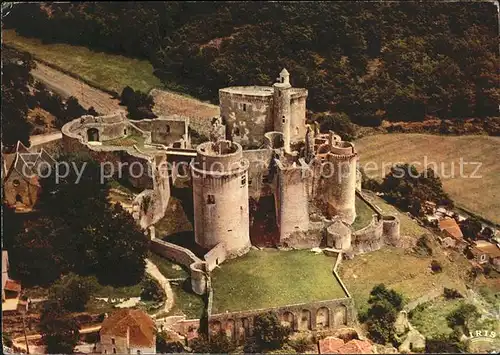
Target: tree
<point x="60" y="332"/>
<point x="34" y="253"/>
<point x="269" y="332"/>
<point x="72" y="292"/>
<point x="16" y="79"/>
<point x="151" y="291"/>
<point x="463" y="316"/>
<point x="217" y="343"/>
<point x="164" y="344"/>
<point x="338" y="123"/>
<point x="381" y="316"/>
<point x="470" y="228"/>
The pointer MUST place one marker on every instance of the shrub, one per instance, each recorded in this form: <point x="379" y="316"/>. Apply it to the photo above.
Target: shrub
<point x="217" y="343"/>
<point x="151" y="291"/>
<point x="301" y="343"/>
<point x="450" y="293"/>
<point x="436" y="266"/>
<point x="72" y="292"/>
<point x="268" y="331"/>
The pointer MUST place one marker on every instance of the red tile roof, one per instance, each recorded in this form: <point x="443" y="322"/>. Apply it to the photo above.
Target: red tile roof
<point x="450" y="225"/>
<point x="141" y="327"/>
<point x="12" y="285"/>
<point x="333" y="345"/>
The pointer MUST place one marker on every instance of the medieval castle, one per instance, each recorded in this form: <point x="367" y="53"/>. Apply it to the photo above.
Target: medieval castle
<point x="263" y="177"/>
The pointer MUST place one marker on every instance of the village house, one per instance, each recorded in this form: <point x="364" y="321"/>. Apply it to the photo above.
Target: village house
<point x="20" y="175"/>
<point x="127" y="331"/>
<point x="485" y="252"/>
<point x="454" y="237"/>
<point x="11" y="290"/>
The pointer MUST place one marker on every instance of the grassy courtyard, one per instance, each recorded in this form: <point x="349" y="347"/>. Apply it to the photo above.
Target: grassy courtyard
<point x="271" y="278"/>
<point x="109" y="71"/>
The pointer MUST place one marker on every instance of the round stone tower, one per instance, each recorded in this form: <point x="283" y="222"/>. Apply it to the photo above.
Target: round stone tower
<point x="282" y="106"/>
<point x="341" y="189"/>
<point x="220" y="197"/>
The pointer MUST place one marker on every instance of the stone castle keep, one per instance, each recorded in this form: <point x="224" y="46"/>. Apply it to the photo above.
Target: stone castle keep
<point x="264" y="177"/>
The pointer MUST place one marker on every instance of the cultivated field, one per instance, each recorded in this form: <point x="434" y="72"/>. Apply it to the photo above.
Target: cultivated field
<point x="479" y="195"/>
<point x="271" y="278"/>
<point x="109" y="71"/>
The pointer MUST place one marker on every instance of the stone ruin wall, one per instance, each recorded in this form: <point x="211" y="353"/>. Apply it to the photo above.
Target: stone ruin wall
<point x="298" y="117"/>
<point x="258" y="172"/>
<point x="292" y="197"/>
<point x="166" y="131"/>
<point x="253" y="123"/>
<point x="137" y="167"/>
<point x="316" y="316"/>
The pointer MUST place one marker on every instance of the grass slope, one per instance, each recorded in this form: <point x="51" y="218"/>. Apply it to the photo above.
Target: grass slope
<point x="480" y="195"/>
<point x="270" y="278"/>
<point x="109" y="71"/>
<point x="398" y="269"/>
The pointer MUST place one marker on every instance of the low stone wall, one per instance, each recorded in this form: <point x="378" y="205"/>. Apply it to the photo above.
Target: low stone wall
<point x="368" y="238"/>
<point x="198" y="268"/>
<point x="216" y="256"/>
<point x="173" y="252"/>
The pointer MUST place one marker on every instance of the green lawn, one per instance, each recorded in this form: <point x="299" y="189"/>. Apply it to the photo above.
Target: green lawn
<point x="169" y="269"/>
<point x="186" y="302"/>
<point x="430" y="317"/>
<point x="409" y="227"/>
<point x="109" y="71"/>
<point x="401" y="270"/>
<point x="363" y="214"/>
<point x="271" y="278"/>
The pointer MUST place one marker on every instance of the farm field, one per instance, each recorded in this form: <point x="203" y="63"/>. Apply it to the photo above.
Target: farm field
<point x="271" y="278"/>
<point x="479" y="195"/>
<point x="108" y="71"/>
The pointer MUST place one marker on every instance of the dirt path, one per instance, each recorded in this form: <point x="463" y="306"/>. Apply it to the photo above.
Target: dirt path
<point x="45" y="138"/>
<point x="153" y="271"/>
<point x="67" y="86"/>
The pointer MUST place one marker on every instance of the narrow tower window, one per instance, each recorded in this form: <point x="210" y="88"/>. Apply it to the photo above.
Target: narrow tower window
<point x="210" y="200"/>
<point x="284" y="120"/>
<point x="243" y="180"/>
<point x="244" y="107"/>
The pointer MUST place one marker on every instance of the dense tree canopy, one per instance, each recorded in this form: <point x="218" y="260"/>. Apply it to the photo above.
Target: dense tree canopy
<point x="78" y="230"/>
<point x="408" y="188"/>
<point x="400" y="61"/>
<point x="384" y="307"/>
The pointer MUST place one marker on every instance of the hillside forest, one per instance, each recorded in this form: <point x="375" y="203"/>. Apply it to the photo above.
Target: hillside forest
<point x="373" y="61"/>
